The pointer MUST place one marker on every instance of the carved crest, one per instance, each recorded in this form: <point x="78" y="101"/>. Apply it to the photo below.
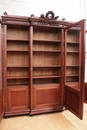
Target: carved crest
<point x="49" y="18"/>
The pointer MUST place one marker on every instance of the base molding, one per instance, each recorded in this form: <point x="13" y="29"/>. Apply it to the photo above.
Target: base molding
<point x="45" y="110"/>
<point x="18" y="112"/>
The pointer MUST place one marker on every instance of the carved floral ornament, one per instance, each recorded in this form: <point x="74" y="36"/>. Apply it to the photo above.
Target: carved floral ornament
<point x="49" y="15"/>
<point x="49" y="19"/>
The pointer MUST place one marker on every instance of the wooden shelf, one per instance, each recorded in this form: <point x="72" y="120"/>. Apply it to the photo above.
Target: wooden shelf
<point x="73" y="52"/>
<point x="12" y="51"/>
<point x="23" y="40"/>
<point x="72" y="65"/>
<point x="18" y="77"/>
<point x="49" y="41"/>
<point x="46" y="66"/>
<point x="56" y="51"/>
<point x="18" y="86"/>
<point x="11" y="66"/>
<point x="39" y="77"/>
<point x="69" y="75"/>
<point x="46" y="85"/>
<point x="71" y="42"/>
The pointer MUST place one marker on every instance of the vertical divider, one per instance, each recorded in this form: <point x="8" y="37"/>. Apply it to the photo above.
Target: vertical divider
<point x="65" y="56"/>
<point x="31" y="66"/>
<point x="80" y="57"/>
<point x="4" y="65"/>
<point x="1" y="86"/>
<point x="62" y="65"/>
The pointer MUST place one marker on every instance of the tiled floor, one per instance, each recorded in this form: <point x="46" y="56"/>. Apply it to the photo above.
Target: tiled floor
<point x="52" y="121"/>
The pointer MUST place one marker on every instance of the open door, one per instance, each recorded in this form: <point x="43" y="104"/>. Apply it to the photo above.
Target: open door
<point x="74" y="67"/>
<point x="1" y="88"/>
<point x="85" y="90"/>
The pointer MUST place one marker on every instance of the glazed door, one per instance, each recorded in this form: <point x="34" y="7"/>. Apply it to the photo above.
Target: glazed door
<point x="85" y="90"/>
<point x="74" y="60"/>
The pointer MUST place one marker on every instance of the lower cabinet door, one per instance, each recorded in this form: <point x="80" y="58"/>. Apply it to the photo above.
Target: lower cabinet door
<point x="46" y="99"/>
<point x="17" y="100"/>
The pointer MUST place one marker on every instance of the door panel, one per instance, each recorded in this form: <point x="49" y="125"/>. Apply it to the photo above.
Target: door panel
<point x="17" y="100"/>
<point x="72" y="100"/>
<point x="74" y="67"/>
<point x="47" y="98"/>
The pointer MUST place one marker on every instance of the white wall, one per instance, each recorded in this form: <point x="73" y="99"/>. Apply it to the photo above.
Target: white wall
<point x="72" y="10"/>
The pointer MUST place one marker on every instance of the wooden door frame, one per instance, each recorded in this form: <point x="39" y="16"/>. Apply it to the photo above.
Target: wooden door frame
<point x="1" y="85"/>
<point x="85" y="90"/>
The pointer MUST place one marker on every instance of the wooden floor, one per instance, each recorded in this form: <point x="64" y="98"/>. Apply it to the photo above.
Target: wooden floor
<point x="52" y="121"/>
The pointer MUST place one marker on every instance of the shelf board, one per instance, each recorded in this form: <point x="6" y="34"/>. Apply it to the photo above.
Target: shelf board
<point x="18" y="85"/>
<point x="17" y="50"/>
<point x="16" y="66"/>
<point x="17" y="77"/>
<point x="49" y="41"/>
<point x="73" y="52"/>
<point x="72" y="65"/>
<point x="71" y="42"/>
<point x="18" y="40"/>
<point x="46" y="85"/>
<point x="57" y="51"/>
<point x="46" y="66"/>
<point x="70" y="75"/>
<point x="46" y="76"/>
